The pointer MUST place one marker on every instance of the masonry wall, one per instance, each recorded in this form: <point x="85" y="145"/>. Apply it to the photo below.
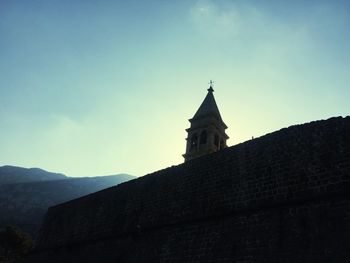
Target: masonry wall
<point x="283" y="197"/>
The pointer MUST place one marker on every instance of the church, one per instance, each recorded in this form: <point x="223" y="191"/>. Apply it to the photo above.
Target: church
<point x="282" y="197"/>
<point x="207" y="131"/>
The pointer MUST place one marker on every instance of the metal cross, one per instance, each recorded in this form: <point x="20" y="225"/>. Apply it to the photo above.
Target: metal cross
<point x="211" y="86"/>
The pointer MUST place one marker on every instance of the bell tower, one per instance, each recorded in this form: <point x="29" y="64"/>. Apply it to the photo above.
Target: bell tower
<point x="207" y="131"/>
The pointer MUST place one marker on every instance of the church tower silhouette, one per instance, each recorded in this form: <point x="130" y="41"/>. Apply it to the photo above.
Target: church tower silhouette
<point x="207" y="131"/>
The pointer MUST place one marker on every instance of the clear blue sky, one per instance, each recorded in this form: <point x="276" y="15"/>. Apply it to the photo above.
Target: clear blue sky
<point x="103" y="87"/>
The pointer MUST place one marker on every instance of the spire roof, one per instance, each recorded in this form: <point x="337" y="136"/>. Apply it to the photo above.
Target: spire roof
<point x="208" y="106"/>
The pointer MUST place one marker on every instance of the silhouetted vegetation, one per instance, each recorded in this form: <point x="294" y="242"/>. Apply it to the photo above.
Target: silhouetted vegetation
<point x="14" y="245"/>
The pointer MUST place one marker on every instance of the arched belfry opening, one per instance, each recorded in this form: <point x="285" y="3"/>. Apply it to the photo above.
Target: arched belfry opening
<point x="203" y="137"/>
<point x="207" y="131"/>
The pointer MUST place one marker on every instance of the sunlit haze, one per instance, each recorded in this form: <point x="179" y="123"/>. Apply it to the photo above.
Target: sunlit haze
<point x="105" y="87"/>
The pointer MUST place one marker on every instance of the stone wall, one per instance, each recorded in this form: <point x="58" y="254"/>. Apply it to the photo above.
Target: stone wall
<point x="283" y="197"/>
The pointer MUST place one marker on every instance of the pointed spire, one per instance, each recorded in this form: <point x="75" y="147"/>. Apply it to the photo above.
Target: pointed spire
<point x="208" y="106"/>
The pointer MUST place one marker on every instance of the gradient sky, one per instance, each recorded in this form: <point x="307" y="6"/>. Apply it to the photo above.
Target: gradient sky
<point x="104" y="87"/>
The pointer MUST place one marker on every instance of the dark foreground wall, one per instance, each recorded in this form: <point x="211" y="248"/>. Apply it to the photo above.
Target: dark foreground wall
<point x="284" y="197"/>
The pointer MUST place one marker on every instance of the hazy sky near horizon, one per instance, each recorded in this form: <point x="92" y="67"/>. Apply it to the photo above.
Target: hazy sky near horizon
<point x="105" y="87"/>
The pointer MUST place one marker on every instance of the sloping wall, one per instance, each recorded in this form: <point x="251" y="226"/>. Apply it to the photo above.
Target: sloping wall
<point x="283" y="197"/>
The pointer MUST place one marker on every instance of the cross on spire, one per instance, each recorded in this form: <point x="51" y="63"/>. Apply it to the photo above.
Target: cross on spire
<point x="211" y="86"/>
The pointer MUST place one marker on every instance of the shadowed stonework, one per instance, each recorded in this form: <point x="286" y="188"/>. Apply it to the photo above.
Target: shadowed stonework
<point x="283" y="197"/>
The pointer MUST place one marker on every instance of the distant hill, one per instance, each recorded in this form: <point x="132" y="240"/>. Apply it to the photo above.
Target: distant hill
<point x="25" y="204"/>
<point x="13" y="174"/>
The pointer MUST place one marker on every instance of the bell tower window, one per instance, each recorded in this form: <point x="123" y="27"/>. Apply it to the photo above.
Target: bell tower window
<point x="222" y="144"/>
<point x="216" y="140"/>
<point x="203" y="138"/>
<point x="194" y="141"/>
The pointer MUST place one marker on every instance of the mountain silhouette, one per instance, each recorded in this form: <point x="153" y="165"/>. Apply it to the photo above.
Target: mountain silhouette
<point x="13" y="174"/>
<point x="26" y="194"/>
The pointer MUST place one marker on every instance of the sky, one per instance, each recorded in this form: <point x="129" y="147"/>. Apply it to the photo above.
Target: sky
<point x="94" y="87"/>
